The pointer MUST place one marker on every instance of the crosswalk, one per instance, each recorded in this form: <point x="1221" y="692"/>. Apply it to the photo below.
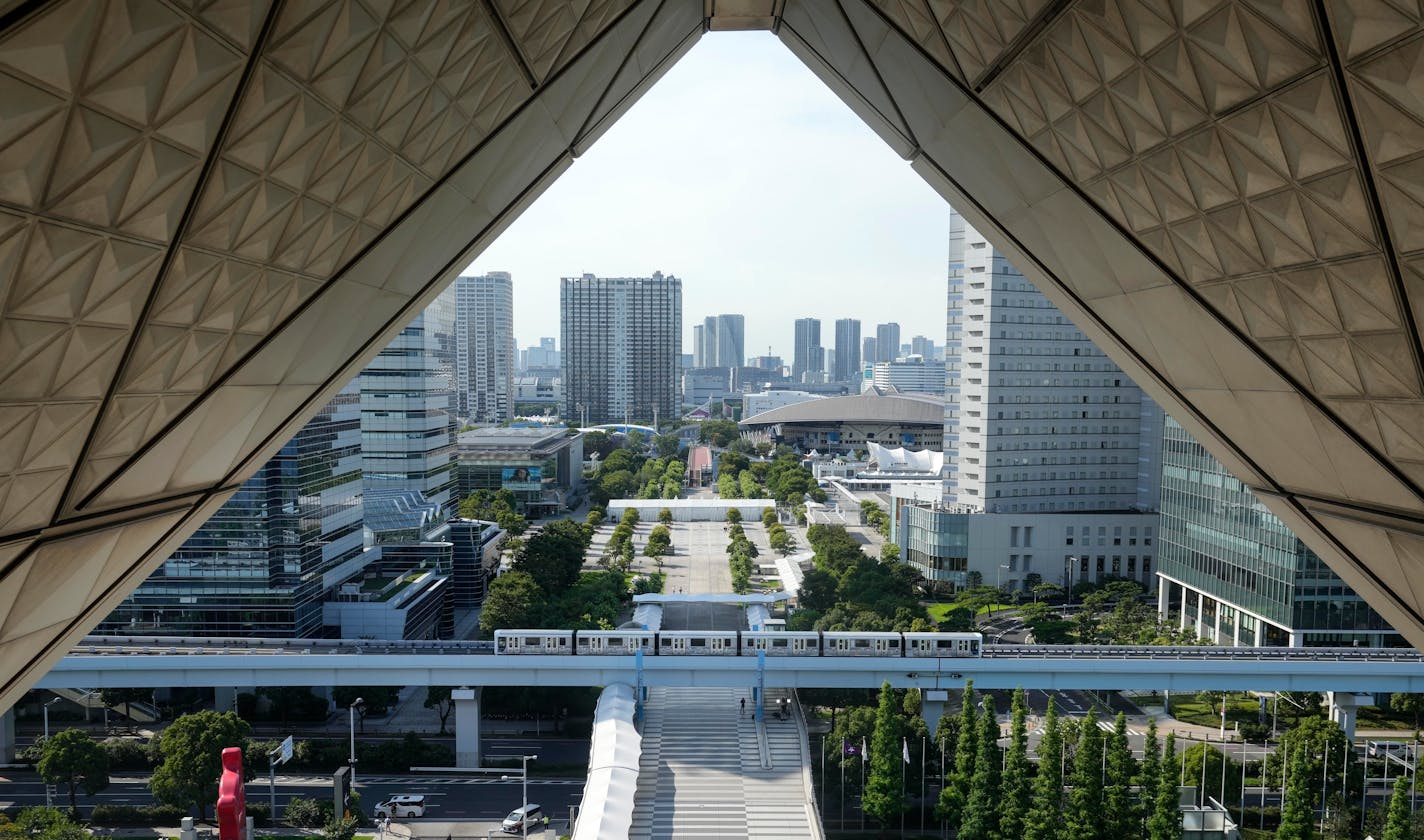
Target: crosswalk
<point x="1036" y="727"/>
<point x="404" y="780"/>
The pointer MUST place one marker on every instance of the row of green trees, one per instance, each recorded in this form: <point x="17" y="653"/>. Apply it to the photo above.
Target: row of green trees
<point x="780" y="540"/>
<point x="627" y="473"/>
<point x="497" y="506"/>
<point x="741" y="556"/>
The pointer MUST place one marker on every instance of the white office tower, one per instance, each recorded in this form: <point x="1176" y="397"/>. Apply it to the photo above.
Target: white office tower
<point x="1037" y="418"/>
<point x="622" y="347"/>
<point x="484" y="347"/>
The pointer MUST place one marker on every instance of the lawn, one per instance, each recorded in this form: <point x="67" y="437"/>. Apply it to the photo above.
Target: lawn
<point x="939" y="612"/>
<point x="1192" y="710"/>
<point x="1375" y="717"/>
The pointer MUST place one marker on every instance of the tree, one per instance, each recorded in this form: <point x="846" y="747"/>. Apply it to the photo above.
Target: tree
<point x="1120" y="818"/>
<point x="1082" y="819"/>
<point x="665" y="516"/>
<point x="718" y="432"/>
<point x="438" y="697"/>
<point x="954" y="797"/>
<point x="1166" y="820"/>
<point x="1045" y="813"/>
<point x="1408" y="704"/>
<point x="1298" y="811"/>
<point x="889" y="553"/>
<point x="884" y="797"/>
<point x="340" y="828"/>
<point x="1016" y="782"/>
<point x="553" y="556"/>
<point x="1397" y="818"/>
<point x="514" y="600"/>
<point x="190" y="758"/>
<point x="667" y="445"/>
<point x="981" y="813"/>
<point x="42" y="823"/>
<point x="73" y="758"/>
<point x="1148" y="772"/>
<point x="1204" y="762"/>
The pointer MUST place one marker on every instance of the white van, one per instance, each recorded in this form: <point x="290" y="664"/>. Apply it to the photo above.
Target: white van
<point x="402" y="805"/>
<point x="530" y="817"/>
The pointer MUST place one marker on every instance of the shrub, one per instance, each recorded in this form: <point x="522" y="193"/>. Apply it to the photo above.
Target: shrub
<point x="154" y="815"/>
<point x="307" y="813"/>
<point x="734" y="515"/>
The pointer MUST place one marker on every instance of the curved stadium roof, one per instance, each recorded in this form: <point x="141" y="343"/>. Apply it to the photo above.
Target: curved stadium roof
<point x="869" y="407"/>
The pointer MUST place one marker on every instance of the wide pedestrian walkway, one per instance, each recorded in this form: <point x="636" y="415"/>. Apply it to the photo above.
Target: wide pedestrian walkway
<point x="702" y="772"/>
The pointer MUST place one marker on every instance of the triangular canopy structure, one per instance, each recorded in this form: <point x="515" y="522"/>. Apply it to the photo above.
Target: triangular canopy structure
<point x="213" y="213"/>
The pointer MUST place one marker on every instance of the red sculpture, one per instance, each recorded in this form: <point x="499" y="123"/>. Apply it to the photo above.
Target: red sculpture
<point x="232" y="798"/>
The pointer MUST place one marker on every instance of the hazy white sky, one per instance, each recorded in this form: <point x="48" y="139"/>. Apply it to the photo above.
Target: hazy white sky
<point x="744" y="175"/>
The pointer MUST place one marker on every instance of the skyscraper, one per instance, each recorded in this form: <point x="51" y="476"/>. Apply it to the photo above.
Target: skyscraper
<point x="622" y="339"/>
<point x="731" y="340"/>
<point x="1235" y="573"/>
<point x="256" y="566"/>
<point x="699" y="346"/>
<point x="869" y="352"/>
<point x="887" y="342"/>
<point x="847" y="350"/>
<point x="719" y="341"/>
<point x="408" y="408"/>
<point x="1036" y="417"/>
<point x="484" y="347"/>
<point x="807" y="357"/>
<point x="922" y="346"/>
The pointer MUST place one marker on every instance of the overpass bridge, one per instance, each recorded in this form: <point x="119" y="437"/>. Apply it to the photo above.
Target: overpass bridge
<point x="139" y="662"/>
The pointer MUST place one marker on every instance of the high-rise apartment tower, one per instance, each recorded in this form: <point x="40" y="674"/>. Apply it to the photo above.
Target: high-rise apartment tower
<point x="847" y="361"/>
<point x="484" y="347"/>
<point x="622" y="340"/>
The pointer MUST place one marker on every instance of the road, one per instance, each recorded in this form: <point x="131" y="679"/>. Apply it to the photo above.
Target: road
<point x="449" y="797"/>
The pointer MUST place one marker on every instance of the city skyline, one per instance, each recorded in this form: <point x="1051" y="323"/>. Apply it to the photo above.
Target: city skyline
<point x="840" y="213"/>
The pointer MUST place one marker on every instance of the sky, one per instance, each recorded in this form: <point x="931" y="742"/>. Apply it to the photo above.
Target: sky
<point x="744" y="175"/>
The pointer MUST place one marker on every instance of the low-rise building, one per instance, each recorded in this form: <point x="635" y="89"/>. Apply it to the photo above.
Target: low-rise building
<point x="541" y="466"/>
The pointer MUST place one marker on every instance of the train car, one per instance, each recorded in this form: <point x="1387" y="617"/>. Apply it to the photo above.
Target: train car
<point x="861" y="644"/>
<point x="781" y="643"/>
<point x="697" y="643"/>
<point x="534" y="641"/>
<point x="944" y="644"/>
<point x="614" y="642"/>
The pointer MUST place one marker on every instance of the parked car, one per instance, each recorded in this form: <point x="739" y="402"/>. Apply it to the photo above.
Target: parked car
<point x="530" y="816"/>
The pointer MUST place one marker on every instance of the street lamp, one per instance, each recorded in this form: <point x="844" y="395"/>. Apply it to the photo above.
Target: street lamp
<point x="49" y="794"/>
<point x="524" y="789"/>
<point x="352" y="716"/>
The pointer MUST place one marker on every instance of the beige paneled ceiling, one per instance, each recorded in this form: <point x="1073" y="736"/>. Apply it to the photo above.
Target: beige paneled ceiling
<point x="212" y="212"/>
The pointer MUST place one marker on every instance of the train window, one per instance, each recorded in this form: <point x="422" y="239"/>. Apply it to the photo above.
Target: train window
<point x="781" y="643"/>
<point x="614" y="641"/>
<point x="699" y="642"/>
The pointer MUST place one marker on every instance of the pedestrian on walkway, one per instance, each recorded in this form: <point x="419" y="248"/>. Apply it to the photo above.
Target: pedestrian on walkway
<point x="743" y="712"/>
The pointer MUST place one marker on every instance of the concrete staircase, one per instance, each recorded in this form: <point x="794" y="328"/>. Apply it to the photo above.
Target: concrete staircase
<point x="703" y="772"/>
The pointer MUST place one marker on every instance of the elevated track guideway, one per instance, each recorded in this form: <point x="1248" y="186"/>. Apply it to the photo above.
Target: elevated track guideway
<point x="126" y="662"/>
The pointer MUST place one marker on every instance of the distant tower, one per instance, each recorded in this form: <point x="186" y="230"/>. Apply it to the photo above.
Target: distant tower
<point x="887" y="342"/>
<point x="807" y="357"/>
<point x="848" y="347"/>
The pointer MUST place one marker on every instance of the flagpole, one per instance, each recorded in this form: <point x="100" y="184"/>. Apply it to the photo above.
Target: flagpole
<point x="906" y="745"/>
<point x="922" y="784"/>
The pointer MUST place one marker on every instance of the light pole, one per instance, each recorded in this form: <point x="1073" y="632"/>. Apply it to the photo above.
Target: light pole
<point x="49" y="793"/>
<point x="524" y="790"/>
<point x="352" y="717"/>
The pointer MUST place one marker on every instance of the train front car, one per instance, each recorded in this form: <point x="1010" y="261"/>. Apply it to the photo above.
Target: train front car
<point x="614" y="642"/>
<point x="936" y="645"/>
<point x="534" y="641"/>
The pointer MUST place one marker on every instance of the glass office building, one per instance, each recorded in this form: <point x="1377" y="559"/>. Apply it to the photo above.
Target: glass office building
<point x="1232" y="569"/>
<point x="256" y="567"/>
<point x="408" y="408"/>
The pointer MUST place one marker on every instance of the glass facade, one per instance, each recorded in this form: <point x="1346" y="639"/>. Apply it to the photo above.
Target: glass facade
<point x="408" y="408"/>
<point x="936" y="543"/>
<point x="1227" y="554"/>
<point x="256" y="567"/>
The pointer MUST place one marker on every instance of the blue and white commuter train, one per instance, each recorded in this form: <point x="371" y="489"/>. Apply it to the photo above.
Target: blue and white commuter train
<point x="738" y="643"/>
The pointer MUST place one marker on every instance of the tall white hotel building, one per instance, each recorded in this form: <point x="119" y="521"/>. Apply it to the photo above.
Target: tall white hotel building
<point x="1053" y="454"/>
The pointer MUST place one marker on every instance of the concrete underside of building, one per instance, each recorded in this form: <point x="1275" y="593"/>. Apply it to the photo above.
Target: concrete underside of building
<point x="213" y="214"/>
